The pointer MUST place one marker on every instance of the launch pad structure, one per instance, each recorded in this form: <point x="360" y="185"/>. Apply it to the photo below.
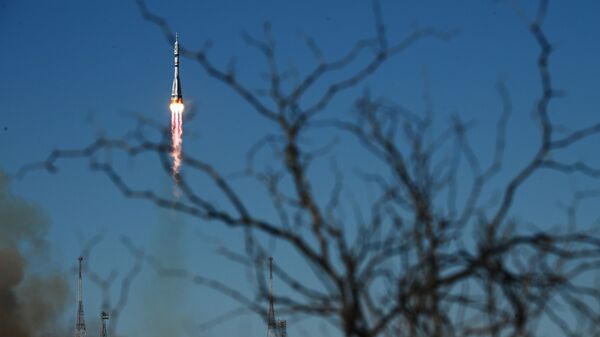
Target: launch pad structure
<point x="275" y="328"/>
<point x="80" y="329"/>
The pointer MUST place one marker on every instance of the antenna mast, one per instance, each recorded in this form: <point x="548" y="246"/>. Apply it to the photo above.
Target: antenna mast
<point x="104" y="316"/>
<point x="271" y="322"/>
<point x="80" y="324"/>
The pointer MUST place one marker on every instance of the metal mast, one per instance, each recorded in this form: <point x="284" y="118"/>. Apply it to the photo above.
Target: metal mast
<point x="271" y="322"/>
<point x="80" y="324"/>
<point x="282" y="325"/>
<point x="176" y="89"/>
<point x="104" y="316"/>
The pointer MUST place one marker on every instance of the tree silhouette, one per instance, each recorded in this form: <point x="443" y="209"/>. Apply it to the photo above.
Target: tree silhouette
<point x="432" y="255"/>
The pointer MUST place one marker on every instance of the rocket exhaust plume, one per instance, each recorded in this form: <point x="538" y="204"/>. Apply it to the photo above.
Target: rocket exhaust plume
<point x="176" y="108"/>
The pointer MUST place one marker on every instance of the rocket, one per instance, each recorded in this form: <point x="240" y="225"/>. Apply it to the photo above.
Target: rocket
<point x="176" y="89"/>
<point x="176" y="108"/>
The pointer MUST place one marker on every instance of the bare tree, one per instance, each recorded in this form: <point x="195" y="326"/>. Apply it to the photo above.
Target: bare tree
<point x="432" y="255"/>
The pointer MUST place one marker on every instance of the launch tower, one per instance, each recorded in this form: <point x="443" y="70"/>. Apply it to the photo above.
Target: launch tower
<point x="80" y="324"/>
<point x="274" y="328"/>
<point x="104" y="317"/>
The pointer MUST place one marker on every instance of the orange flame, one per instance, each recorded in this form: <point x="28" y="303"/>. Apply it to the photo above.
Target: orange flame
<point x="176" y="108"/>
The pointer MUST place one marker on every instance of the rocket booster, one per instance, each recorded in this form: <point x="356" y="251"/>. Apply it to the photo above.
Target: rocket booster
<point x="176" y="106"/>
<point x="176" y="89"/>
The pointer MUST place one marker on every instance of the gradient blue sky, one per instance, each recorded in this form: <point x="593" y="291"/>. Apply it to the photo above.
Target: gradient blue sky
<point x="70" y="69"/>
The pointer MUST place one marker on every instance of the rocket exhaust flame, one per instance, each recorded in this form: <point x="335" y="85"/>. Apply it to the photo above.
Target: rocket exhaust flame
<point x="176" y="108"/>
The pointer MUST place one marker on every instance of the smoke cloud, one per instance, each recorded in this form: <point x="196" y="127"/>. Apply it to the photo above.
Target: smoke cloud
<point x="30" y="304"/>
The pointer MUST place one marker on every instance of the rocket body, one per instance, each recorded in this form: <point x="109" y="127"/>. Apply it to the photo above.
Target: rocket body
<point x="176" y="96"/>
<point x="176" y="108"/>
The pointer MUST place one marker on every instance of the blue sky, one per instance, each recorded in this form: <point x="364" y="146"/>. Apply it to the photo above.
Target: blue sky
<point x="69" y="70"/>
